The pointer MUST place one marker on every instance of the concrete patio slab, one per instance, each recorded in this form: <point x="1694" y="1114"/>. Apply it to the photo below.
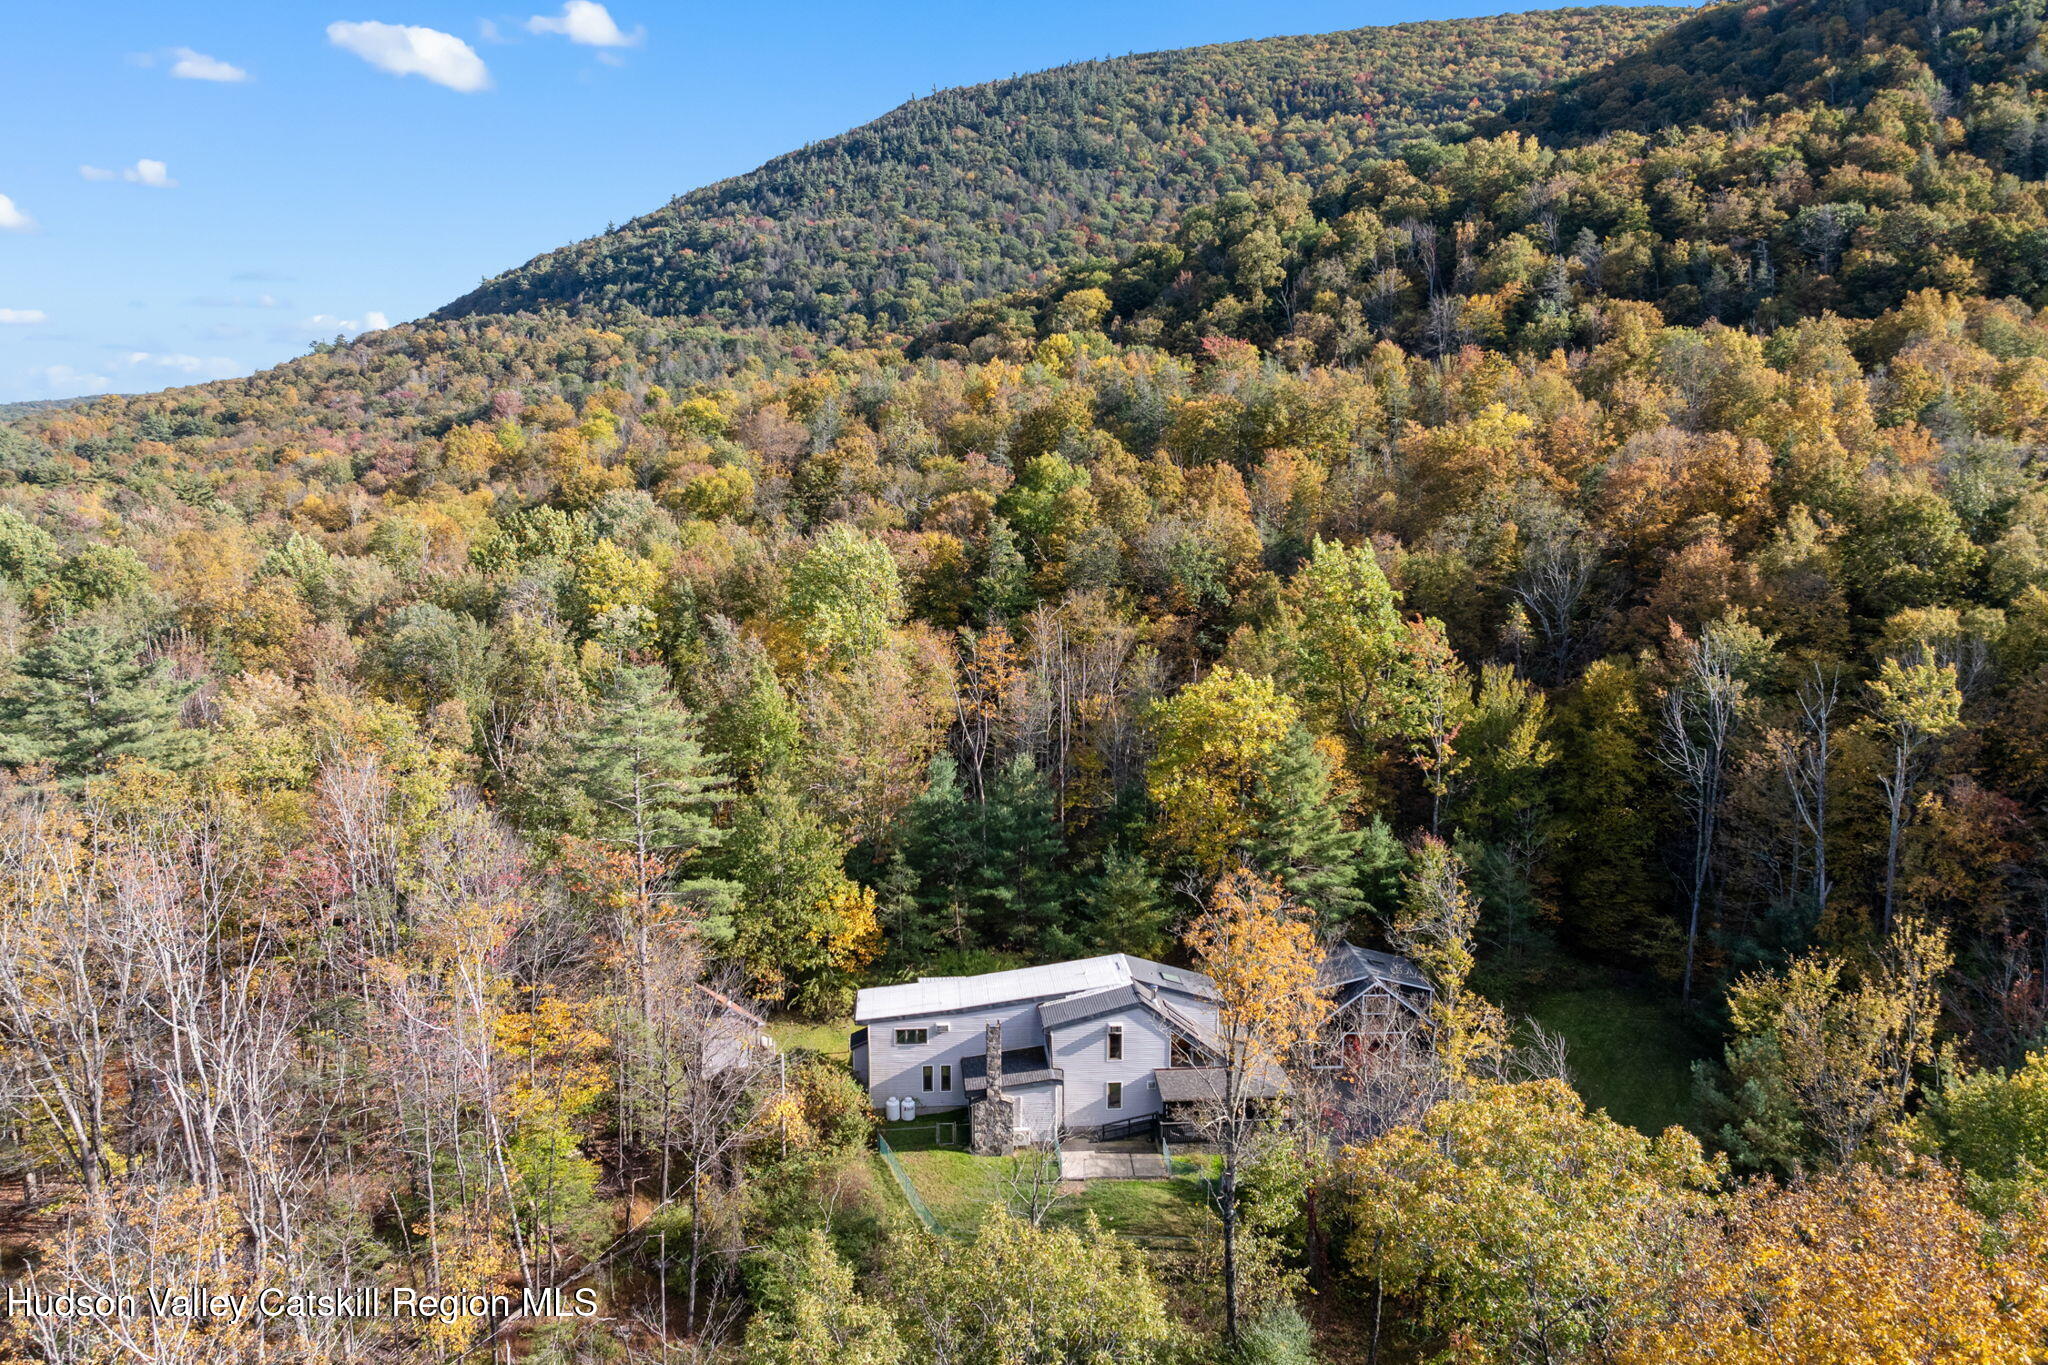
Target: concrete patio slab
<point x="1095" y="1164"/>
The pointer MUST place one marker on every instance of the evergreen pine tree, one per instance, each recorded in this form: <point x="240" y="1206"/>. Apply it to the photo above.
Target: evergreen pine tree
<point x="85" y="701"/>
<point x="1300" y="839"/>
<point x="1003" y="590"/>
<point x="1131" y="911"/>
<point x="924" y="904"/>
<point x="647" y="786"/>
<point x="1020" y="886"/>
<point x="983" y="876"/>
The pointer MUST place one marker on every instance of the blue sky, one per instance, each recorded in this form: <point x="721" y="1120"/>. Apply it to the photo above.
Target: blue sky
<point x="199" y="190"/>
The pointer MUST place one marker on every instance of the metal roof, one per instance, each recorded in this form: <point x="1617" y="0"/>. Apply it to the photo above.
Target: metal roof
<point x="1347" y="963"/>
<point x="951" y="994"/>
<point x="1073" y="1009"/>
<point x="1021" y="1066"/>
<point x="1200" y="1084"/>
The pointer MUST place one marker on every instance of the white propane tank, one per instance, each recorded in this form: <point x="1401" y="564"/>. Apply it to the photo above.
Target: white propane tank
<point x="909" y="1108"/>
<point x="894" y="1108"/>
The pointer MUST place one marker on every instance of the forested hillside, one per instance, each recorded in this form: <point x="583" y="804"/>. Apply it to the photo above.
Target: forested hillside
<point x="1558" y="558"/>
<point x="977" y="190"/>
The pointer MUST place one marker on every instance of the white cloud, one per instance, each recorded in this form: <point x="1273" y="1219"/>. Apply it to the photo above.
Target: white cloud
<point x="13" y="219"/>
<point x="146" y="171"/>
<point x="585" y="22"/>
<point x="61" y="381"/>
<point x="322" y="326"/>
<point x="150" y="173"/>
<point x="407" y="50"/>
<point x="210" y="367"/>
<point x="23" y="315"/>
<point x="197" y="66"/>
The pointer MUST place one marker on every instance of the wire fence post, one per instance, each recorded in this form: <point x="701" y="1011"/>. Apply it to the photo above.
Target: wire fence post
<point x="909" y="1187"/>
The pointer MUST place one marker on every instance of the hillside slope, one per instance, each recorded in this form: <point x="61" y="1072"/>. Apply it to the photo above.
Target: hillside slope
<point x="1736" y="61"/>
<point x="975" y="191"/>
<point x="1886" y="155"/>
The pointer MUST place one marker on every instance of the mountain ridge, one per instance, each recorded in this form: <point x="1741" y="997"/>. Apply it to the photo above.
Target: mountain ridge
<point x="942" y="211"/>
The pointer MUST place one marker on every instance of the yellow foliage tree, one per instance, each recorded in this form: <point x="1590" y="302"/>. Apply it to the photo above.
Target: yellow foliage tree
<point x="1857" y="1268"/>
<point x="1518" y="1225"/>
<point x="1261" y="952"/>
<point x="1216" y="739"/>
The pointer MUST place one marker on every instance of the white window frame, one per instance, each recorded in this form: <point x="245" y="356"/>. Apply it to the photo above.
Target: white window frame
<point x="1113" y="1095"/>
<point x="946" y="1077"/>
<point x="923" y="1036"/>
<point x="1113" y="1043"/>
<point x="928" y="1080"/>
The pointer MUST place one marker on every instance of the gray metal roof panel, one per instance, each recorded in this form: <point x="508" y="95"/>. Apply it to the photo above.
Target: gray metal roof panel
<point x="1348" y="962"/>
<point x="933" y="995"/>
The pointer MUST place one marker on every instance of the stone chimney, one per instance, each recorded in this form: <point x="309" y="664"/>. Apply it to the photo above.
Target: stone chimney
<point x="992" y="1119"/>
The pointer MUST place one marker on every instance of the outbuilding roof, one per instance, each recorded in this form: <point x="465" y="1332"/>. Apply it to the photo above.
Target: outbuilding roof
<point x="1347" y="962"/>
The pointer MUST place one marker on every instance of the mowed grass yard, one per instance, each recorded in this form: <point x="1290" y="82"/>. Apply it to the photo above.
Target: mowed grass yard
<point x="960" y="1189"/>
<point x="833" y="1038"/>
<point x="1630" y="1052"/>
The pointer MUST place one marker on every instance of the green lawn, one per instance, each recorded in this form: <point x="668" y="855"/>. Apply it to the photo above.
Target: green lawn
<point x="957" y="1187"/>
<point x="960" y="1189"/>
<point x="1176" y="1209"/>
<point x="829" y="1039"/>
<point x="945" y="1128"/>
<point x="1630" y="1053"/>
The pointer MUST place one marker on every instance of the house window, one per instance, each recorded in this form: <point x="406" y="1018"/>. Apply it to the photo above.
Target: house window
<point x="945" y="1078"/>
<point x="927" y="1078"/>
<point x="1116" y="1094"/>
<point x="1181" y="1051"/>
<point x="909" y="1037"/>
<point x="1116" y="1042"/>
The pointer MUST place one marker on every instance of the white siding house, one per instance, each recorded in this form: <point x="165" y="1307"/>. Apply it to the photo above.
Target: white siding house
<point x="927" y="1039"/>
<point x="1086" y="1046"/>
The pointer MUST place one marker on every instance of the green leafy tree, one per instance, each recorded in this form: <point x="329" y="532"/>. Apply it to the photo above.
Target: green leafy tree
<point x="29" y="555"/>
<point x="801" y="929"/>
<point x="1994" y="1126"/>
<point x="1013" y="1292"/>
<point x="102" y="573"/>
<point x="1908" y="548"/>
<point x="1603" y="743"/>
<point x="845" y="596"/>
<point x="812" y="1314"/>
<point x="748" y="714"/>
<point x="1344" y="634"/>
<point x="1913" y="704"/>
<point x="1823" y="1062"/>
<point x="1216" y="742"/>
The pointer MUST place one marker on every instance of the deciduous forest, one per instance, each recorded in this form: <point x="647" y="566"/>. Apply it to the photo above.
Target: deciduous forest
<point x="1557" y="497"/>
